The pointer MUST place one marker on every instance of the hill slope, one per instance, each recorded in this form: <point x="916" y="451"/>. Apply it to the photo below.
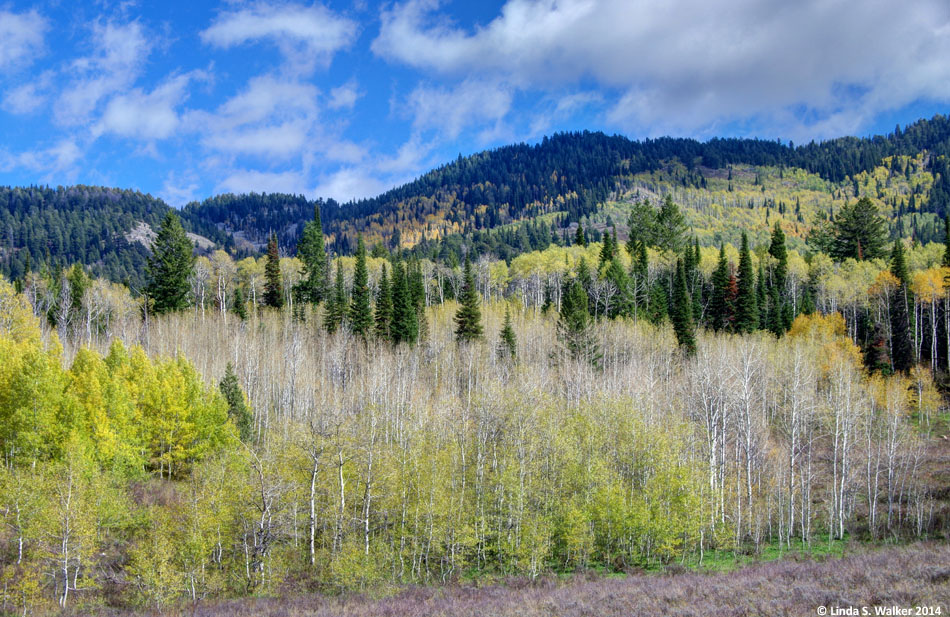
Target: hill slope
<point x="513" y="198"/>
<point x="571" y="174"/>
<point x="103" y="228"/>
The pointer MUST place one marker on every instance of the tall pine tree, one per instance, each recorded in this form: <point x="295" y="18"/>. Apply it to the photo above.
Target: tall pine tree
<point x="273" y="291"/>
<point x="468" y="325"/>
<point x="404" y="328"/>
<point x="507" y="342"/>
<point x="682" y="315"/>
<point x="574" y="325"/>
<point x="361" y="315"/>
<point x="170" y="266"/>
<point x="779" y="253"/>
<point x="718" y="316"/>
<point x="384" y="307"/>
<point x="747" y="306"/>
<point x="238" y="409"/>
<point x="311" y="251"/>
<point x="335" y="306"/>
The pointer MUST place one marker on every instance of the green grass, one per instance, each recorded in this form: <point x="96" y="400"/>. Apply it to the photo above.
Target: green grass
<point x="716" y="560"/>
<point x="728" y="560"/>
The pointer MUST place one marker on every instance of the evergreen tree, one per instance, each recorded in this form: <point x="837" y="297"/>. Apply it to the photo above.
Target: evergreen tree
<point x="641" y="275"/>
<point x="622" y="303"/>
<point x="732" y="293"/>
<point x="311" y="250"/>
<point x="778" y="252"/>
<point x="747" y="311"/>
<point x="859" y="232"/>
<point x="507" y="343"/>
<point x="808" y="301"/>
<point x="574" y="325"/>
<point x="468" y="325"/>
<point x="776" y="323"/>
<point x="585" y="278"/>
<point x="762" y="299"/>
<point x="170" y="266"/>
<point x="670" y="226"/>
<point x="384" y="307"/>
<point x="238" y="409"/>
<point x="656" y="309"/>
<point x="902" y="351"/>
<point x="693" y="279"/>
<point x="875" y="354"/>
<point x="608" y="249"/>
<point x="642" y="226"/>
<point x="682" y="315"/>
<point x="273" y="292"/>
<point x="720" y="283"/>
<point x="404" y="328"/>
<point x="335" y="307"/>
<point x="579" y="238"/>
<point x="899" y="264"/>
<point x="417" y="295"/>
<point x="78" y="283"/>
<point x="361" y="314"/>
<point x="238" y="305"/>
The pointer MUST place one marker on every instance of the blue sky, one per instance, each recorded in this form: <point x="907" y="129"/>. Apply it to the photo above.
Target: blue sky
<point x="345" y="99"/>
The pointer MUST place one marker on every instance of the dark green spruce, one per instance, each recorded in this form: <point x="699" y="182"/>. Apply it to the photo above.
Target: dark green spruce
<point x="468" y="326"/>
<point x="169" y="267"/>
<point x="238" y="409"/>
<point x="747" y="306"/>
<point x="361" y="314"/>
<point x="273" y="290"/>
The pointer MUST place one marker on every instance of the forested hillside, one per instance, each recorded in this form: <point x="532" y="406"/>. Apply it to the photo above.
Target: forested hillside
<point x="517" y="198"/>
<point x="55" y="228"/>
<point x="568" y="176"/>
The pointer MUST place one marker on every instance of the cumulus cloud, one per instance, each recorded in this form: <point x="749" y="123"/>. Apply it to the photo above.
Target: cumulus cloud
<point x="147" y="115"/>
<point x="686" y="65"/>
<point x="28" y="98"/>
<point x="21" y="38"/>
<point x="120" y="51"/>
<point x="59" y="158"/>
<point x="270" y="117"/>
<point x="179" y="189"/>
<point x="350" y="183"/>
<point x="344" y="97"/>
<point x="450" y="110"/>
<point x="255" y="181"/>
<point x="305" y="35"/>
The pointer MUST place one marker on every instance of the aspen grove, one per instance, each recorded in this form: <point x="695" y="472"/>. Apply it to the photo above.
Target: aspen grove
<point x="366" y="464"/>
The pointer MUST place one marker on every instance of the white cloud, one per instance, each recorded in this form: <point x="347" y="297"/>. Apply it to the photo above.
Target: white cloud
<point x="57" y="160"/>
<point x="350" y="183"/>
<point x="21" y="38"/>
<point x="179" y="189"/>
<point x="119" y="55"/>
<point x="254" y="181"/>
<point x="149" y="115"/>
<point x="688" y="65"/>
<point x="305" y="35"/>
<point x="344" y="97"/>
<point x="449" y="111"/>
<point x="28" y="98"/>
<point x="270" y="117"/>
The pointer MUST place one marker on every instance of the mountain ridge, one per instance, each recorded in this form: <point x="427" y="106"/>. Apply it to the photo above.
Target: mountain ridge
<point x="558" y="182"/>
